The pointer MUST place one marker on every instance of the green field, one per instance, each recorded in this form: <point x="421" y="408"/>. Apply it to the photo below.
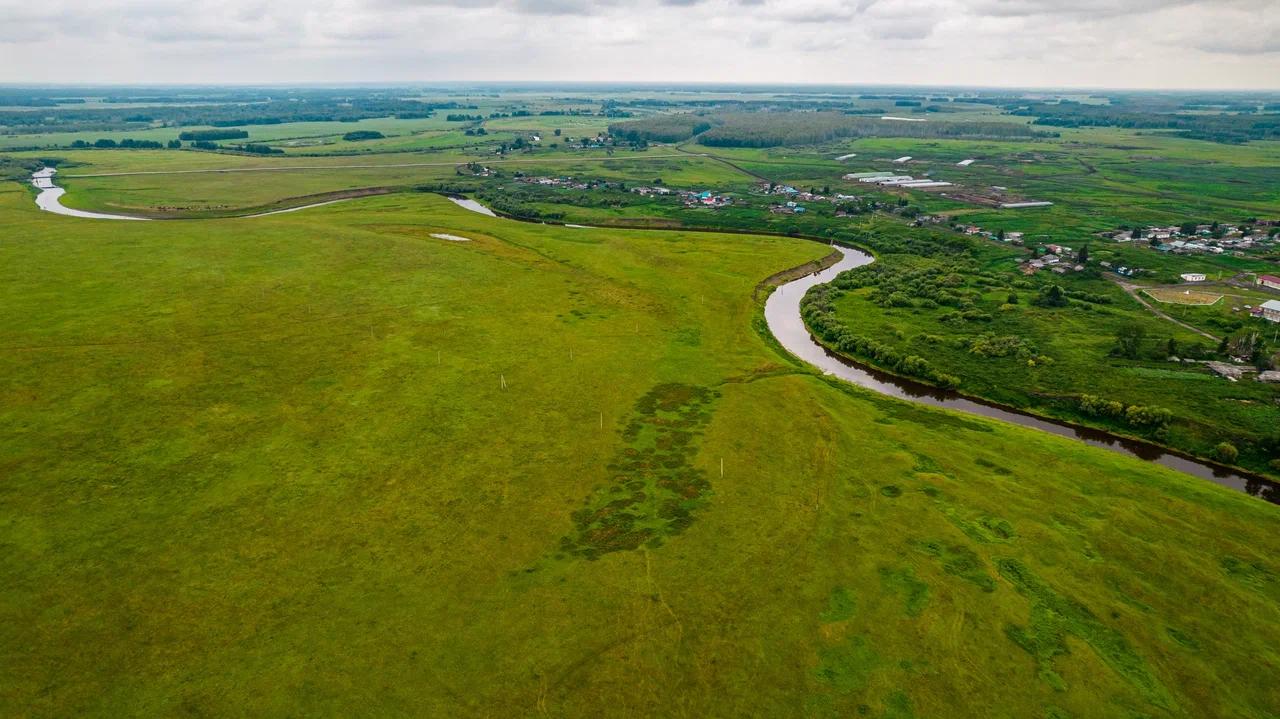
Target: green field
<point x="324" y="463"/>
<point x="197" y="185"/>
<point x="336" y="462"/>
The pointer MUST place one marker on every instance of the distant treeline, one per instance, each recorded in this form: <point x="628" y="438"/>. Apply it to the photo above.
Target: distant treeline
<point x="1224" y="128"/>
<point x="661" y="128"/>
<point x="251" y="148"/>
<point x="180" y="99"/>
<point x="127" y="143"/>
<point x="771" y="129"/>
<point x="40" y="101"/>
<point x="320" y="108"/>
<point x="196" y="135"/>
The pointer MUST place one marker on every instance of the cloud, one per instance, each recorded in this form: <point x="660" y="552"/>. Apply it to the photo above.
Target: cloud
<point x="1159" y="43"/>
<point x="1078" y="8"/>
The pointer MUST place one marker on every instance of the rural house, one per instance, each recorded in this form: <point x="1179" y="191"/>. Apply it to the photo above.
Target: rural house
<point x="1193" y="277"/>
<point x="1270" y="310"/>
<point x="1269" y="281"/>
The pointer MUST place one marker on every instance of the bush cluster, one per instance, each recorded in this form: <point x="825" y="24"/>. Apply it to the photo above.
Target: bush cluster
<point x="819" y="315"/>
<point x="1135" y="415"/>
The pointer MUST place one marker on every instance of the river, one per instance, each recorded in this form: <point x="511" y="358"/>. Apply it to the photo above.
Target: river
<point x="50" y="199"/>
<point x="782" y="314"/>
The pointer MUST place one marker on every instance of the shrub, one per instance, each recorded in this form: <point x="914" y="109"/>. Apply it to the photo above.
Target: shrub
<point x="1226" y="452"/>
<point x="989" y="345"/>
<point x="1135" y="415"/>
<point x="1147" y="416"/>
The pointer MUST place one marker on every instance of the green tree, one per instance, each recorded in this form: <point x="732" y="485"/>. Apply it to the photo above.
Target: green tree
<point x="1052" y="296"/>
<point x="1226" y="452"/>
<point x="1083" y="256"/>
<point x="1260" y="357"/>
<point x="1129" y="340"/>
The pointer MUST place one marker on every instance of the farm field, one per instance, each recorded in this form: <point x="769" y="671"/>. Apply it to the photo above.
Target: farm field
<point x="1171" y="295"/>
<point x="325" y="462"/>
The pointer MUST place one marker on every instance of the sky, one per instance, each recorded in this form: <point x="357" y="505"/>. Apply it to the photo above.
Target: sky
<point x="1021" y="43"/>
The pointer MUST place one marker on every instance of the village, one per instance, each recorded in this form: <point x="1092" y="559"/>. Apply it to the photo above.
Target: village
<point x="1192" y="238"/>
<point x="792" y="200"/>
<point x="1212" y="239"/>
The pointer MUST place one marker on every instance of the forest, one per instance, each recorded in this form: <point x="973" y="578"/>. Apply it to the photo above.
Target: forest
<point x="773" y="129"/>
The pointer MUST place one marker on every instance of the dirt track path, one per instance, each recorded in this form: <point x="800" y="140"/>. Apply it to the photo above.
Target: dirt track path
<point x="1132" y="290"/>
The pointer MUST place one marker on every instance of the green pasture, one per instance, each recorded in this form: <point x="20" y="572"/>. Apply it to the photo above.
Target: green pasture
<point x="324" y="463"/>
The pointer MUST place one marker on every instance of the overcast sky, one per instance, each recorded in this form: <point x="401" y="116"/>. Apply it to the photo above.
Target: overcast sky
<point x="1088" y="43"/>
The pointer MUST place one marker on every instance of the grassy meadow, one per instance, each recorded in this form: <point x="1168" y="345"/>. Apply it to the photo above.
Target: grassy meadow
<point x="160" y="183"/>
<point x="326" y="463"/>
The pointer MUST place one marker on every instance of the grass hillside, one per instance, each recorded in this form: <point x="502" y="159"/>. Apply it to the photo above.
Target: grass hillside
<point x="326" y="463"/>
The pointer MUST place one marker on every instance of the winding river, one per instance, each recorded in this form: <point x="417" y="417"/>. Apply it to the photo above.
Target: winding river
<point x="782" y="314"/>
<point x="50" y="199"/>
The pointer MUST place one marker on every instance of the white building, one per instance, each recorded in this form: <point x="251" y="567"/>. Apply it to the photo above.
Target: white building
<point x="1271" y="310"/>
<point x="1194" y="277"/>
